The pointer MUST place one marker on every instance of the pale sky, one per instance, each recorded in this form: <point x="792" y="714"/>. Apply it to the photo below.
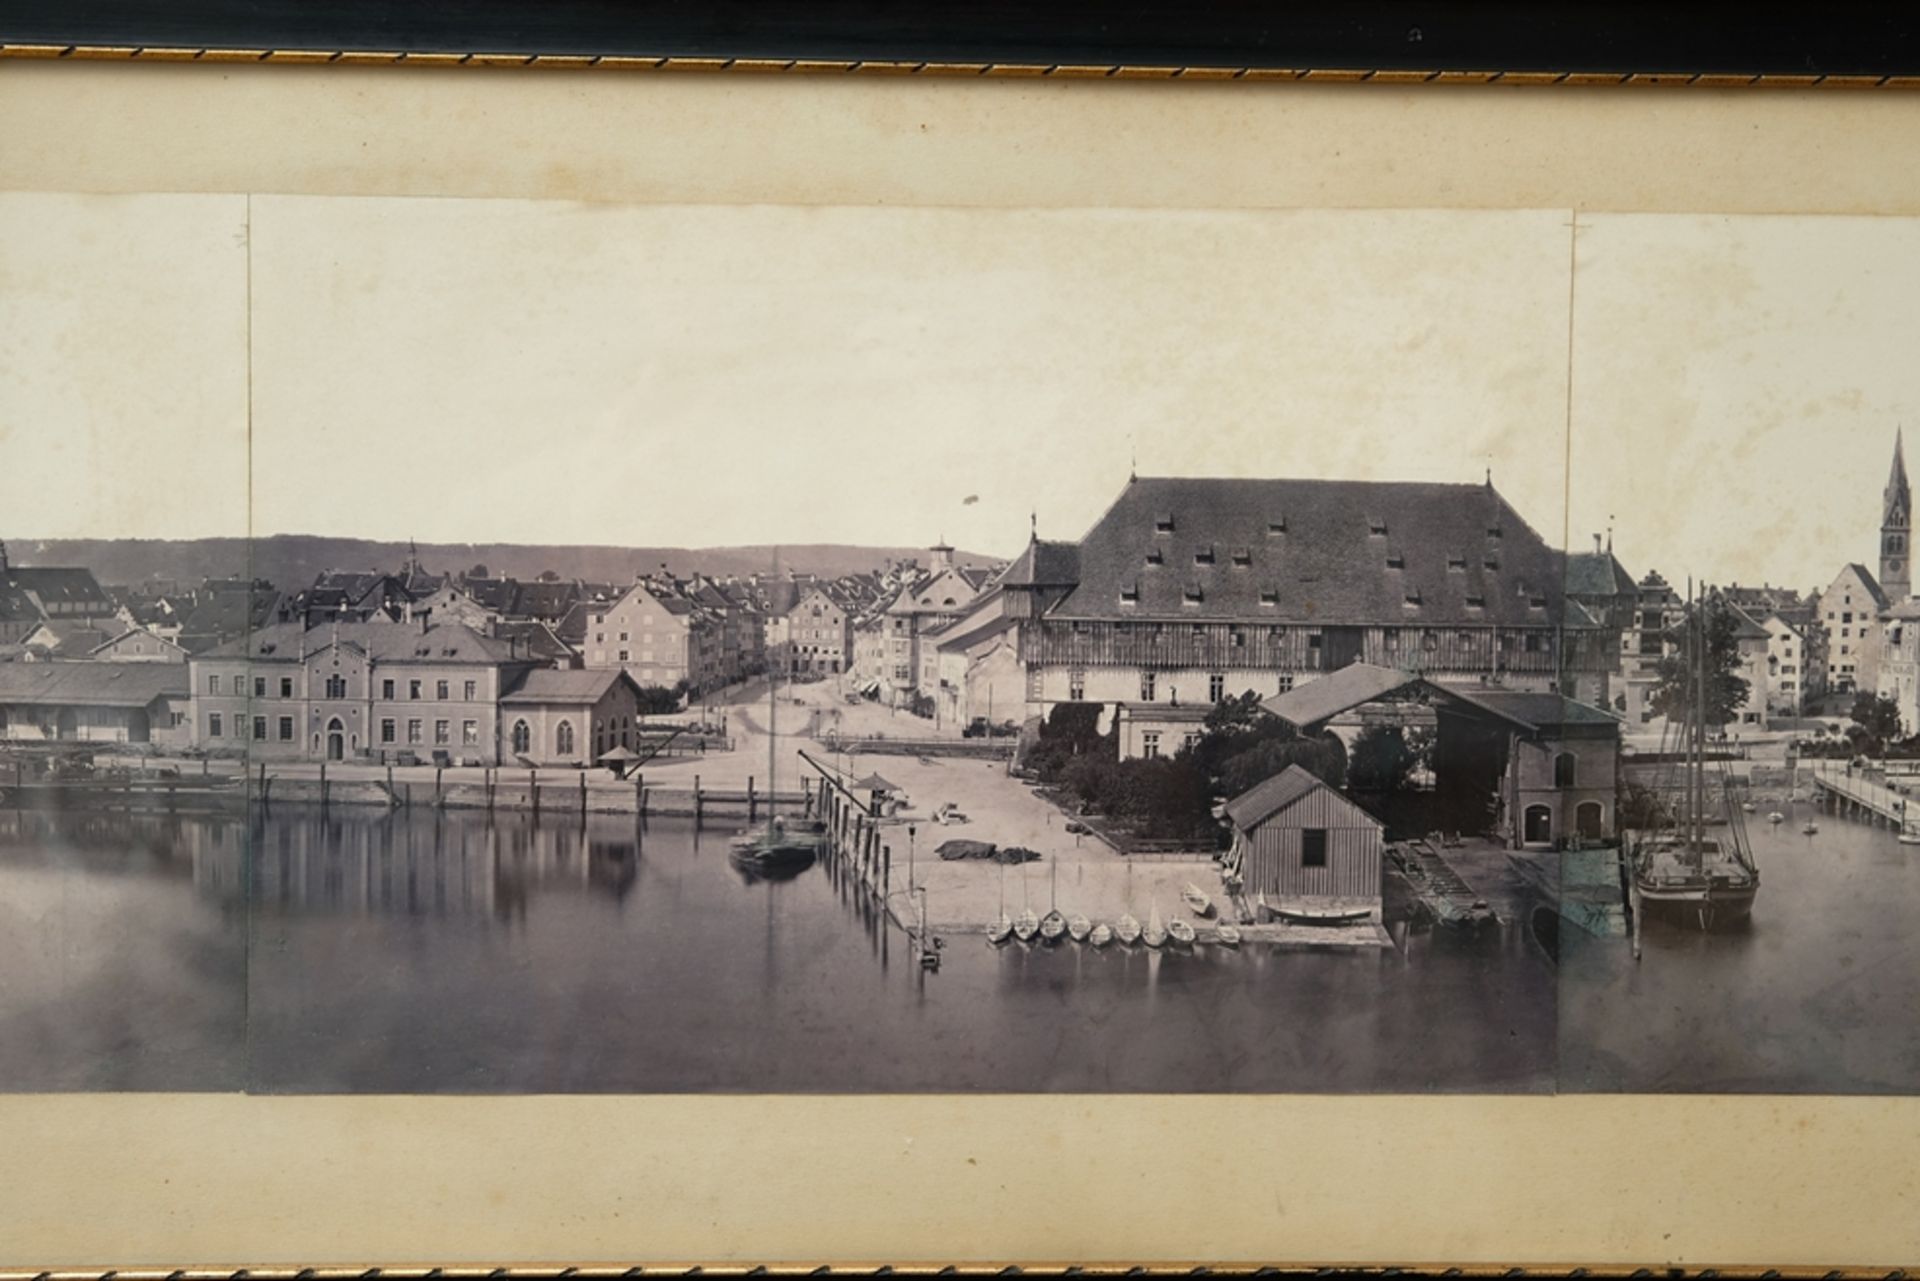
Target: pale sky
<point x="485" y="370"/>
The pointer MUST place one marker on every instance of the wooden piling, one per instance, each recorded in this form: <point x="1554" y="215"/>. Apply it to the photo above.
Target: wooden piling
<point x="533" y="791"/>
<point x="751" y="801"/>
<point x="439" y="788"/>
<point x="323" y="785"/>
<point x="489" y="781"/>
<point x="583" y="793"/>
<point x="697" y="803"/>
<point x="406" y="795"/>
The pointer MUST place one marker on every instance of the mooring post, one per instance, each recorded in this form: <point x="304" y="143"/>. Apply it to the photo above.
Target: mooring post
<point x="389" y="778"/>
<point x="583" y="793"/>
<point x="696" y="800"/>
<point x="886" y="869"/>
<point x="487" y="776"/>
<point x="533" y="790"/>
<point x="407" y="795"/>
<point x="323" y="784"/>
<point x="750" y="799"/>
<point x="439" y="788"/>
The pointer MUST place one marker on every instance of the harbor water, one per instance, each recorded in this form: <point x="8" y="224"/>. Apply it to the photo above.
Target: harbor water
<point x="422" y="951"/>
<point x="1818" y="993"/>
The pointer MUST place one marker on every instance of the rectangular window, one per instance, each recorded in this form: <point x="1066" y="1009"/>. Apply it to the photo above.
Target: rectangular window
<point x="260" y="728"/>
<point x="470" y="691"/>
<point x="286" y="729"/>
<point x="213" y="725"/>
<point x="1150" y="744"/>
<point x="443" y="732"/>
<point x="413" y="690"/>
<point x="286" y="687"/>
<point x="1313" y="847"/>
<point x="1216" y="687"/>
<point x="442" y="691"/>
<point x="387" y="730"/>
<point x="470" y="732"/>
<point x="1146" y="687"/>
<point x="1286" y="682"/>
<point x="336" y="686"/>
<point x="624" y="655"/>
<point x="413" y="731"/>
<point x="259" y="687"/>
<point x="1076" y="686"/>
<point x="386" y="690"/>
<point x="213" y="683"/>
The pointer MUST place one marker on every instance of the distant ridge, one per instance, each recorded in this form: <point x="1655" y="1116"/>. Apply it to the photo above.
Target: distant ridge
<point x="292" y="560"/>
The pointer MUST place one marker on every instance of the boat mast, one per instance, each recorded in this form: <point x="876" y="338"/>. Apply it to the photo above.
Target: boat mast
<point x="773" y="713"/>
<point x="1699" y="779"/>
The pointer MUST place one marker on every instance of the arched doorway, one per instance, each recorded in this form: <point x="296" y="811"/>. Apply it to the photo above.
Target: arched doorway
<point x="1587" y="820"/>
<point x="1538" y="828"/>
<point x="336" y="740"/>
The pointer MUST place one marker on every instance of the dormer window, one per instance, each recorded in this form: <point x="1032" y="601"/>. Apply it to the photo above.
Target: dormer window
<point x="1476" y="602"/>
<point x="1537" y="602"/>
<point x="1130" y="595"/>
<point x="1493" y="531"/>
<point x="1276" y="526"/>
<point x="1204" y="556"/>
<point x="1269" y="597"/>
<point x="1163" y="524"/>
<point x="1156" y="557"/>
<point x="1457" y="563"/>
<point x="1396" y="560"/>
<point x="1193" y="595"/>
<point x="1413" y="597"/>
<point x="1377" y="528"/>
<point x="1491" y="563"/>
<point x="1242" y="557"/>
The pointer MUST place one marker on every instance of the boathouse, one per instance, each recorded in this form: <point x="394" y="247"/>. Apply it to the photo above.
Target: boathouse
<point x="1299" y="843"/>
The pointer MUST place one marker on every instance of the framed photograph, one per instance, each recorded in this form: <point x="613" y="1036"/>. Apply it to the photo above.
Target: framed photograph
<point x="975" y="640"/>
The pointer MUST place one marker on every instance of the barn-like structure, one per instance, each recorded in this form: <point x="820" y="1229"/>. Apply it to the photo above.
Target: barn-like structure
<point x="1298" y="843"/>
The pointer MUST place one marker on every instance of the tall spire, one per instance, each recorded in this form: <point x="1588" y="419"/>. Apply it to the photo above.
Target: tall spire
<point x="1896" y="527"/>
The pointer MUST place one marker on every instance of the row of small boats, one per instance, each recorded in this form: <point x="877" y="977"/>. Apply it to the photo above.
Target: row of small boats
<point x="1127" y="931"/>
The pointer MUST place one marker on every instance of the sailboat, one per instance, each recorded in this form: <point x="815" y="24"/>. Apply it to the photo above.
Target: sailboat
<point x="1053" y="925"/>
<point x="1100" y="935"/>
<point x="1078" y="928"/>
<point x="1002" y="929"/>
<point x="1028" y="925"/>
<point x="1127" y="929"/>
<point x="1679" y="872"/>
<point x="779" y="846"/>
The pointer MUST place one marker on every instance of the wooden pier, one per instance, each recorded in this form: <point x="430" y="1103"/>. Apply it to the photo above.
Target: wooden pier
<point x="1849" y="792"/>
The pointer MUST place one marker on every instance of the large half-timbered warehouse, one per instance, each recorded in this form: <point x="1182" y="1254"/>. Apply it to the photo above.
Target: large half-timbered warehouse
<point x="1189" y="590"/>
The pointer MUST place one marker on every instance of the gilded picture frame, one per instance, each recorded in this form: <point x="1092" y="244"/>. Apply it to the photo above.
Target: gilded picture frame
<point x="216" y="1186"/>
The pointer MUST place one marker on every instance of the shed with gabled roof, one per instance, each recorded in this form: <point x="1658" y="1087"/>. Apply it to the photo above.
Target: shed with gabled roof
<point x="1298" y="842"/>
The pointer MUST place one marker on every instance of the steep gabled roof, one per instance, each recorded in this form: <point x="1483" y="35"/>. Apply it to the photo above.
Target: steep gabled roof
<point x="1044" y="564"/>
<point x="1597" y="574"/>
<point x="59" y="586"/>
<point x="1263" y="800"/>
<point x="1871" y="583"/>
<point x="1348" y="552"/>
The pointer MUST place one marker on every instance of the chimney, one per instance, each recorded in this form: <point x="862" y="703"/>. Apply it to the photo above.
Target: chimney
<point x="1597" y="548"/>
<point x="423" y="623"/>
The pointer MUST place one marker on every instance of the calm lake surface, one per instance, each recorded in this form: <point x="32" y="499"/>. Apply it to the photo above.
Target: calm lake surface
<point x="424" y="952"/>
<point x="1820" y="993"/>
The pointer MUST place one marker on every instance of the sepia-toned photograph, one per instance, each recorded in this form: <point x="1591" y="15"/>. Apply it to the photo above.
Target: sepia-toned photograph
<point x="495" y="646"/>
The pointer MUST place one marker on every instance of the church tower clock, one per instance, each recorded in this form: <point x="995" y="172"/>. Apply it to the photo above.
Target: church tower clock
<point x="1896" y="530"/>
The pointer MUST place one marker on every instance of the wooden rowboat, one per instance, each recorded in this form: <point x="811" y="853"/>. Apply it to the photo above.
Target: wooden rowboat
<point x="1027" y="926"/>
<point x="1100" y="935"/>
<point x="1322" y="915"/>
<point x="1078" y="927"/>
<point x="1196" y="899"/>
<point x="1052" y="926"/>
<point x="1155" y="935"/>
<point x="1127" y="930"/>
<point x="1001" y="930"/>
<point x="1228" y="936"/>
<point x="1180" y="932"/>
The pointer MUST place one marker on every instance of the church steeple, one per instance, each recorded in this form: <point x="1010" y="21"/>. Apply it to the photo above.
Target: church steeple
<point x="1896" y="528"/>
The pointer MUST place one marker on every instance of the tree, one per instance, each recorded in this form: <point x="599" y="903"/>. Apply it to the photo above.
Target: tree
<point x="479" y="571"/>
<point x="1677" y="677"/>
<point x="1879" y="716"/>
<point x="1323" y="756"/>
<point x="1382" y="759"/>
<point x="549" y="576"/>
